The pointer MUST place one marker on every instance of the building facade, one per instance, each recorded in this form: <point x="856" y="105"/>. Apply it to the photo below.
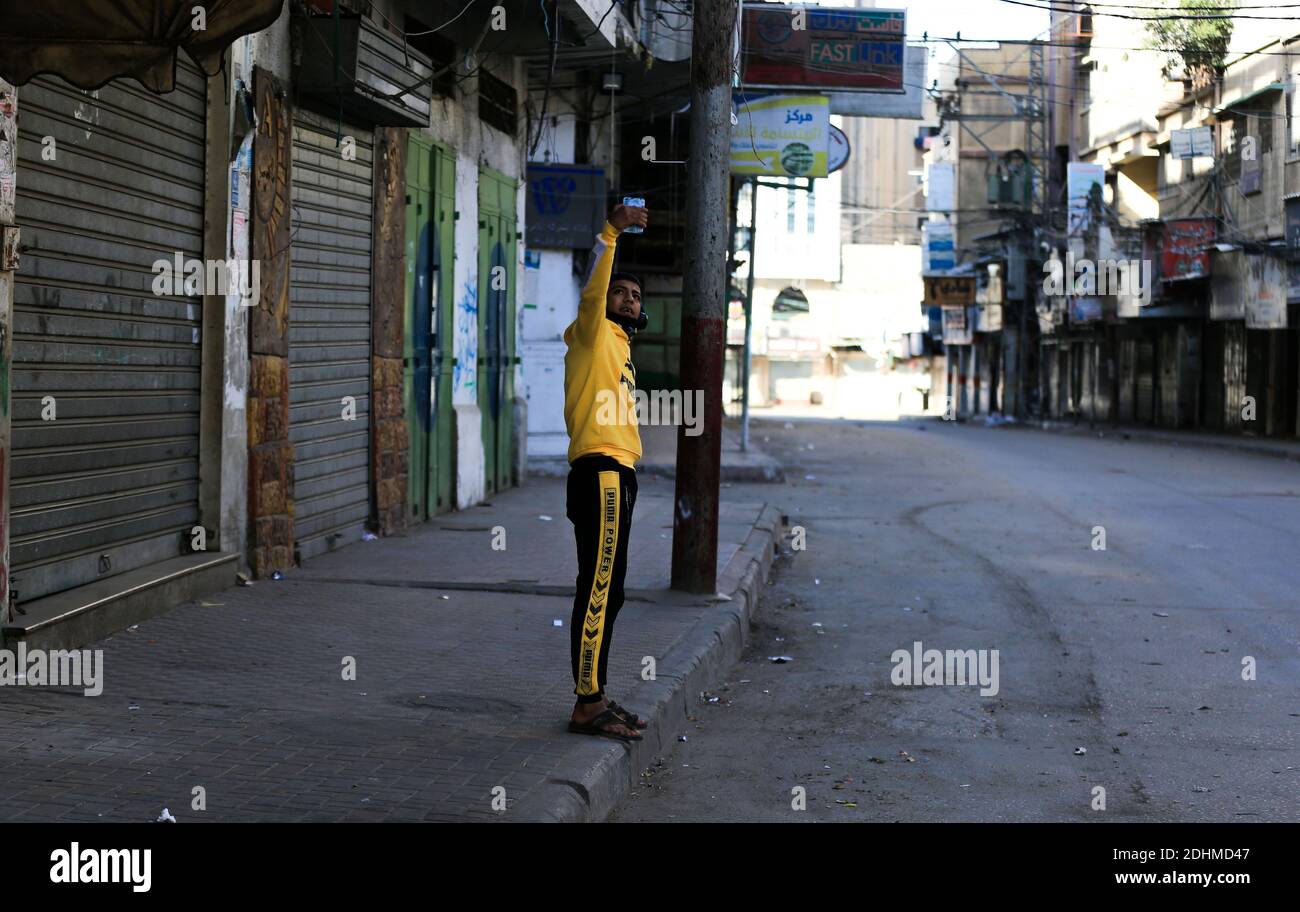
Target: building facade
<point x="275" y="308"/>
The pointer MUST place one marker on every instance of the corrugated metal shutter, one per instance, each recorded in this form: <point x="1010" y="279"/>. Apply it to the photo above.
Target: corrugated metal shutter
<point x="329" y="334"/>
<point x="111" y="483"/>
<point x="1234" y="373"/>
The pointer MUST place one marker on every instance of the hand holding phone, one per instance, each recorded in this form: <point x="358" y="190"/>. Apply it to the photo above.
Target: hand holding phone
<point x="632" y="214"/>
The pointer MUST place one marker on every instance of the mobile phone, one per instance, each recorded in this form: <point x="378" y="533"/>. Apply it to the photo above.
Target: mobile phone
<point x="639" y="203"/>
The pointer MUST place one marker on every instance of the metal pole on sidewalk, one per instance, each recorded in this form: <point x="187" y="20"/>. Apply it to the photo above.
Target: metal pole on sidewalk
<point x="747" y="363"/>
<point x="704" y="297"/>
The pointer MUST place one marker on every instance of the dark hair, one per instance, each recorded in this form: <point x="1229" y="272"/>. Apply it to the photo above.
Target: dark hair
<point x="628" y="277"/>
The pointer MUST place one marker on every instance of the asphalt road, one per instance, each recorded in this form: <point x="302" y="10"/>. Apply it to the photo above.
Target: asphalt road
<point x="1119" y="668"/>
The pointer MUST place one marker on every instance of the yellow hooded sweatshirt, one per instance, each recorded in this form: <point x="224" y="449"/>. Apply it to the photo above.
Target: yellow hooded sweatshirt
<point x="599" y="379"/>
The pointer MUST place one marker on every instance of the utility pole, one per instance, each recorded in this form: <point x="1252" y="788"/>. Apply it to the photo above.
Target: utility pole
<point x="704" y="296"/>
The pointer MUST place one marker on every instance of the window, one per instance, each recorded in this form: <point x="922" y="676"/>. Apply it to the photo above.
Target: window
<point x="497" y="104"/>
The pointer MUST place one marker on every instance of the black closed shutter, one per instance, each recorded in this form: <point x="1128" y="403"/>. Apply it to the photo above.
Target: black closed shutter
<point x="105" y="373"/>
<point x="329" y="333"/>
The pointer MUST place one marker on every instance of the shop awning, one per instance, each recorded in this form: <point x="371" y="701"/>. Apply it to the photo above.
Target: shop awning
<point x="88" y="44"/>
<point x="1248" y="98"/>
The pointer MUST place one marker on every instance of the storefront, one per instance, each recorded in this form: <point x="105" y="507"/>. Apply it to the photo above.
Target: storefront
<point x="105" y="376"/>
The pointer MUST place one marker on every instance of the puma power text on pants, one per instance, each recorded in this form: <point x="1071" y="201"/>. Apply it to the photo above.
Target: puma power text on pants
<point x="601" y="496"/>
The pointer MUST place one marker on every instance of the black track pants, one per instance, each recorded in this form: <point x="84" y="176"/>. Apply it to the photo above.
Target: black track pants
<point x="601" y="496"/>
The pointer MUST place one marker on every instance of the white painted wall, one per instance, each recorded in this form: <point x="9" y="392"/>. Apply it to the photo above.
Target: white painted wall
<point x="550" y="304"/>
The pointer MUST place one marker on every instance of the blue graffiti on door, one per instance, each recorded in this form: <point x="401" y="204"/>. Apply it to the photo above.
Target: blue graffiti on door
<point x="466" y="364"/>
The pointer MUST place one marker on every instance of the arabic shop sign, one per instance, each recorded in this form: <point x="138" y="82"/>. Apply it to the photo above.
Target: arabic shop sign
<point x="957" y="329"/>
<point x="842" y="50"/>
<point x="949" y="291"/>
<point x="1185" y="248"/>
<point x="780" y="135"/>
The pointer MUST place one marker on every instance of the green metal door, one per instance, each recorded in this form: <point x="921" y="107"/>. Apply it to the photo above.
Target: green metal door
<point x="496" y="324"/>
<point x="430" y="214"/>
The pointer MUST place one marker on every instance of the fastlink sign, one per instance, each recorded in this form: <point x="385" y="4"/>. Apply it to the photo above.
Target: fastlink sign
<point x="809" y="48"/>
<point x="1185" y="248"/>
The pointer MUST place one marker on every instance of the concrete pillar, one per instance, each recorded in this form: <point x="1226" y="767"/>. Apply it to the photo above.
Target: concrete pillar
<point x="223" y="423"/>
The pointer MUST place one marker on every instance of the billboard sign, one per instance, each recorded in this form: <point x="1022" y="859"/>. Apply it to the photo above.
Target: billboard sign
<point x="940" y="180"/>
<point x="566" y="205"/>
<point x="781" y="135"/>
<point x="1185" y="248"/>
<point x="1084" y="182"/>
<point x="957" y="326"/>
<point x="1197" y="142"/>
<point x="950" y="291"/>
<point x="937" y="250"/>
<point x="1265" y="292"/>
<point x="811" y="47"/>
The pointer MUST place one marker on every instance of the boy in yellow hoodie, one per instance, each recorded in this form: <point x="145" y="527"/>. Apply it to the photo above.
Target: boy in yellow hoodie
<point x="604" y="445"/>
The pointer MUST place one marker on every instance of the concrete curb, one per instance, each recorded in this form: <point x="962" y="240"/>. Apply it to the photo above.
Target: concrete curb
<point x="599" y="773"/>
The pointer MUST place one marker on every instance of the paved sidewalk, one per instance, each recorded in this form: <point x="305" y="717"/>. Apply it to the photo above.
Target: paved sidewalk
<point x="462" y="680"/>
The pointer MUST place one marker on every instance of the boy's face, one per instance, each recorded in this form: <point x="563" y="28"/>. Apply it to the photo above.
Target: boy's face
<point x="623" y="299"/>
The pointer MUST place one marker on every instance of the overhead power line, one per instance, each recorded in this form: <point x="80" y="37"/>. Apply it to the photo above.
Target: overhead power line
<point x="1163" y="13"/>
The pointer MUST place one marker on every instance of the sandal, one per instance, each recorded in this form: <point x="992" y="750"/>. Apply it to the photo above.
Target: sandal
<point x="597" y="725"/>
<point x="632" y="718"/>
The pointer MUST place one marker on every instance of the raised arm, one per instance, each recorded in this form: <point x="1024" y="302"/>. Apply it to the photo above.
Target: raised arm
<point x="591" y="306"/>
